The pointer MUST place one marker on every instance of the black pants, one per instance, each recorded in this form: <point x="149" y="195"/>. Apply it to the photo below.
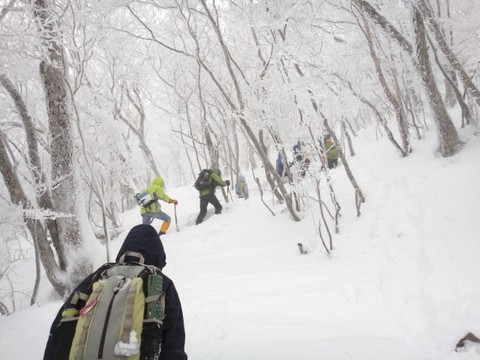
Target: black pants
<point x="204" y="201"/>
<point x="332" y="163"/>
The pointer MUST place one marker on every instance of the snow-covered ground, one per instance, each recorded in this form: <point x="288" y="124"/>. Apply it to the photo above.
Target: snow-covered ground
<point x="402" y="282"/>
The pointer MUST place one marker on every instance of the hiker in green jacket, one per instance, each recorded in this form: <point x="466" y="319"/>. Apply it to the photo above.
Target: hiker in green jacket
<point x="332" y="152"/>
<point x="153" y="211"/>
<point x="207" y="194"/>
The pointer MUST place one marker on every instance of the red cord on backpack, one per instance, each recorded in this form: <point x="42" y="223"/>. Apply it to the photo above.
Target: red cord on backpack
<point x="86" y="309"/>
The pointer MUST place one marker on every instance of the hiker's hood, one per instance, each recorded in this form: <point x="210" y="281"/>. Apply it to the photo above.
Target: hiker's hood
<point x="158" y="180"/>
<point x="144" y="239"/>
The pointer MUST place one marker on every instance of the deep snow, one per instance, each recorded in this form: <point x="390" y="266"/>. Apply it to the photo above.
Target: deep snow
<point x="401" y="283"/>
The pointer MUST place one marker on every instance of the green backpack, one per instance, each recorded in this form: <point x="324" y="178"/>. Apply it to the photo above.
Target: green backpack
<point x="124" y="298"/>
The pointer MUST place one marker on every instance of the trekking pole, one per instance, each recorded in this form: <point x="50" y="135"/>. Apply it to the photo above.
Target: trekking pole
<point x="228" y="195"/>
<point x="176" y="221"/>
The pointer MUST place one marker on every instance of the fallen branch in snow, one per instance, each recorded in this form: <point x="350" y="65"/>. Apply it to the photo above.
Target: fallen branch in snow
<point x="261" y="195"/>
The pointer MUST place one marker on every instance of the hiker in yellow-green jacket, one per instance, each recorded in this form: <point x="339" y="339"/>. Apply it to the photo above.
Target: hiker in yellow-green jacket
<point x="332" y="152"/>
<point x="154" y="210"/>
<point x="207" y="193"/>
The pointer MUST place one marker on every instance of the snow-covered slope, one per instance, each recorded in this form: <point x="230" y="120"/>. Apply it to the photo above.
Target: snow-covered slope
<point x="401" y="283"/>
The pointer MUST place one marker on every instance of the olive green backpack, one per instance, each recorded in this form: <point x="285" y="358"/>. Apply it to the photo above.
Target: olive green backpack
<point x="124" y="300"/>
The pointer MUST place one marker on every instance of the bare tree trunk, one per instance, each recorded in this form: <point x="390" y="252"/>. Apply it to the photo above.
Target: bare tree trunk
<point x="381" y="120"/>
<point x="412" y="105"/>
<point x="44" y="199"/>
<point x="268" y="165"/>
<point x="402" y="115"/>
<point x="54" y="274"/>
<point x="236" y="148"/>
<point x="192" y="134"/>
<point x="349" y="139"/>
<point x="136" y="100"/>
<point x="373" y="14"/>
<point x="448" y="137"/>
<point x="144" y="146"/>
<point x="3" y="309"/>
<point x="466" y="115"/>
<point x="322" y="219"/>
<point x="64" y="192"/>
<point x="267" y="173"/>
<point x="397" y="106"/>
<point x="185" y="147"/>
<point x="38" y="269"/>
<point x="467" y="82"/>
<point x="358" y="192"/>
<point x="212" y="150"/>
<point x="97" y="185"/>
<point x="450" y="97"/>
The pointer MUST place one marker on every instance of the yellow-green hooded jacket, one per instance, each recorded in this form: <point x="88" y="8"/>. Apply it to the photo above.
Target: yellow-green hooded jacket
<point x="214" y="180"/>
<point x="156" y="192"/>
<point x="331" y="148"/>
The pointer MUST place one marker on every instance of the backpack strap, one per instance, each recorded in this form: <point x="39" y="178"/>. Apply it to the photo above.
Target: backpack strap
<point x="133" y="254"/>
<point x="129" y="310"/>
<point x="86" y="311"/>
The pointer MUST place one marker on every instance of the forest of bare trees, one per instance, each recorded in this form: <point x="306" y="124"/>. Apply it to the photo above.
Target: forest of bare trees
<point x="97" y="97"/>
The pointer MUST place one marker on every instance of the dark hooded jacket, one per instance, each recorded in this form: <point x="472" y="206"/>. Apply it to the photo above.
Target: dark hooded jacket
<point x="142" y="239"/>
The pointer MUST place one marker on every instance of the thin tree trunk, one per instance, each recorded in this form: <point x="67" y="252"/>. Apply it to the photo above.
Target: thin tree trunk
<point x="192" y="133"/>
<point x="381" y="120"/>
<point x="341" y="154"/>
<point x="349" y="139"/>
<point x="467" y="82"/>
<point x="212" y="150"/>
<point x="466" y="116"/>
<point x="54" y="274"/>
<point x="185" y="147"/>
<point x="449" y="141"/>
<point x="402" y="116"/>
<point x="268" y="165"/>
<point x="38" y="269"/>
<point x="44" y="199"/>
<point x="322" y="219"/>
<point x="448" y="137"/>
<point x="3" y="309"/>
<point x="397" y="106"/>
<point x="267" y="173"/>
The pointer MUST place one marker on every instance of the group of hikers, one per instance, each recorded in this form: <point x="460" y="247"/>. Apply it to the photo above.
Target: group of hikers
<point x="206" y="184"/>
<point x="209" y="179"/>
<point x="301" y="157"/>
<point x="130" y="309"/>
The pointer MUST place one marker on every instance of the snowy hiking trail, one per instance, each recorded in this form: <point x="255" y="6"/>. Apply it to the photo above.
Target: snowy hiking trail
<point x="260" y="307"/>
<point x="401" y="283"/>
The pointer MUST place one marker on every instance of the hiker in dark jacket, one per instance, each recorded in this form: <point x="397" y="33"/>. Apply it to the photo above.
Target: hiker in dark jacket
<point x="208" y="195"/>
<point x="280" y="165"/>
<point x="141" y="239"/>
